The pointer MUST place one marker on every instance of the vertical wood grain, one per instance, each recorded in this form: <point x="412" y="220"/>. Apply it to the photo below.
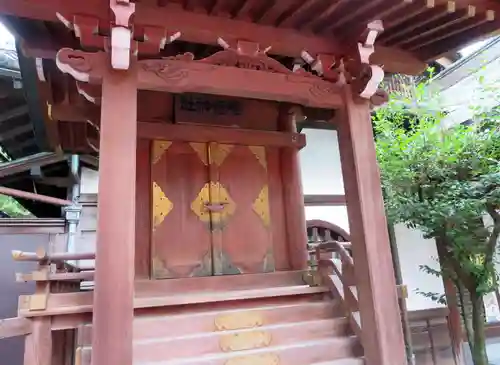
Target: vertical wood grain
<point x="115" y="247"/>
<point x="38" y="344"/>
<point x="143" y="208"/>
<point x="382" y="332"/>
<point x="293" y="196"/>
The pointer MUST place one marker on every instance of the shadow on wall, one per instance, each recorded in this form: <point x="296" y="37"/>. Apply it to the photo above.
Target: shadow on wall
<point x="12" y="349"/>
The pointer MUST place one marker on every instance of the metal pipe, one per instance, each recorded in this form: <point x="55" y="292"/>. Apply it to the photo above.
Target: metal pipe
<point x="75" y="171"/>
<point x="32" y="196"/>
<point x="73" y="212"/>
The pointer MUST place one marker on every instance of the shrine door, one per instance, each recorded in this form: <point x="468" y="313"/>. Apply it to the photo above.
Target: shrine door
<point x="210" y="210"/>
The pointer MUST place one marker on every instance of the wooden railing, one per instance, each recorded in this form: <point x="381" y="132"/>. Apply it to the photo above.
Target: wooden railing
<point x="340" y="279"/>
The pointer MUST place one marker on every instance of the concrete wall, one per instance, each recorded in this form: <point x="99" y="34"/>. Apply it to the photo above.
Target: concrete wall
<point x="322" y="174"/>
<point x="12" y="349"/>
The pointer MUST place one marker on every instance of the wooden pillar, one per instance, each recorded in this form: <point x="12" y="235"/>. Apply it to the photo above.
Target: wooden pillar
<point x="381" y="324"/>
<point x="295" y="219"/>
<point x="114" y="268"/>
<point x="38" y="344"/>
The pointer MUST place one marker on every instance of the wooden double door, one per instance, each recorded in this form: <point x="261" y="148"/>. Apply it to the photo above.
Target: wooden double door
<point x="211" y="213"/>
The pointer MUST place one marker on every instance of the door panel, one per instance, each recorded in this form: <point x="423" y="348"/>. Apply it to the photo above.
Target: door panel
<point x="243" y="240"/>
<point x="181" y="240"/>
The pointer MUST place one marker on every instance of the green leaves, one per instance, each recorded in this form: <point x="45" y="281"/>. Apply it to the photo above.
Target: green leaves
<point x="12" y="208"/>
<point x="442" y="180"/>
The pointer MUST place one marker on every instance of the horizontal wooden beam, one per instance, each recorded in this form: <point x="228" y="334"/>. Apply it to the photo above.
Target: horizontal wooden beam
<point x="215" y="75"/>
<point x="14" y="132"/>
<point x="42" y="255"/>
<point x="32" y="226"/>
<point x="205" y="29"/>
<point x="324" y="200"/>
<point x="32" y="196"/>
<point x="82" y="302"/>
<point x="202" y="134"/>
<point x="58" y="276"/>
<point x="15" y="112"/>
<point x="26" y="163"/>
<point x="13" y="327"/>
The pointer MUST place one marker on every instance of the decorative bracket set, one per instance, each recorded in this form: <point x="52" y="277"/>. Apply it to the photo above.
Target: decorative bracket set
<point x="126" y="39"/>
<point x="122" y="40"/>
<point x="355" y="68"/>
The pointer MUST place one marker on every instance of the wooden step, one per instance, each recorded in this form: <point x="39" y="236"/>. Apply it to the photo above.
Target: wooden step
<point x="247" y="314"/>
<point x="219" y="283"/>
<point x="302" y="353"/>
<point x="350" y="361"/>
<point x="70" y="303"/>
<point x="238" y="340"/>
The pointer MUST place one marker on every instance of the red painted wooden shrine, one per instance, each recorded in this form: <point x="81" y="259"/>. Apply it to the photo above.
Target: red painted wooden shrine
<point x="192" y="106"/>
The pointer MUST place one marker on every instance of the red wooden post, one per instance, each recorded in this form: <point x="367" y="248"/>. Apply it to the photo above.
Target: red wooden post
<point x="38" y="344"/>
<point x="381" y="324"/>
<point x="295" y="220"/>
<point x="114" y="269"/>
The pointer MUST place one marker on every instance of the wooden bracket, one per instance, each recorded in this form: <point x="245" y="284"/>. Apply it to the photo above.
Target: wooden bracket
<point x="364" y="77"/>
<point x="38" y="302"/>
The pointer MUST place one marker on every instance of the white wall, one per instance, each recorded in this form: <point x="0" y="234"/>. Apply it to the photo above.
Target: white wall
<point x="322" y="174"/>
<point x="89" y="181"/>
<point x="414" y="250"/>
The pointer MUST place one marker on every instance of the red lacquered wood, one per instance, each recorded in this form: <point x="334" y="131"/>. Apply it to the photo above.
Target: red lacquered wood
<point x="246" y="238"/>
<point x="382" y="332"/>
<point x="194" y="321"/>
<point x="143" y="208"/>
<point x="164" y="349"/>
<point x="293" y="197"/>
<point x="38" y="344"/>
<point x="204" y="134"/>
<point x="114" y="269"/>
<point x="276" y="204"/>
<point x="181" y="243"/>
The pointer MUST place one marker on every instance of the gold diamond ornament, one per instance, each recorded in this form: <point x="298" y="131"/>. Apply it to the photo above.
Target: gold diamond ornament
<point x="161" y="205"/>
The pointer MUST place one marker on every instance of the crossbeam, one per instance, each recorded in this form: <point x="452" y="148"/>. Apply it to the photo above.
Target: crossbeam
<point x="205" y="29"/>
<point x="183" y="75"/>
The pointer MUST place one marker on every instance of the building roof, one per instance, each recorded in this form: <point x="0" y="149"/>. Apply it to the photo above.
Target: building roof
<point x="17" y="130"/>
<point x="415" y="30"/>
<point x="466" y="83"/>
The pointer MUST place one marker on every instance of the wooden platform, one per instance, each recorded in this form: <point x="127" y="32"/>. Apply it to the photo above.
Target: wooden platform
<point x="176" y="292"/>
<point x="260" y="319"/>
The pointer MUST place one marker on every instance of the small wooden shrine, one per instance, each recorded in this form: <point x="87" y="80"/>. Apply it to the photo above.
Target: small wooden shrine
<point x="192" y="108"/>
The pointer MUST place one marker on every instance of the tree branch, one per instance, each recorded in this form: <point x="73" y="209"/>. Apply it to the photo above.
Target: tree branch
<point x="493" y="238"/>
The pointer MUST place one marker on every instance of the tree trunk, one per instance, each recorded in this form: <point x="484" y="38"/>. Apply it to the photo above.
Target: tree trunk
<point x="479" y="355"/>
<point x="469" y="329"/>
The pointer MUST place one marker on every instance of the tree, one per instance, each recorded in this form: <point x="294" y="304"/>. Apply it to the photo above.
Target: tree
<point x="12" y="208"/>
<point x="444" y="182"/>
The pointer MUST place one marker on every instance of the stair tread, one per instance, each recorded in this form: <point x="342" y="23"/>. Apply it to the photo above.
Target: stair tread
<point x="291" y="326"/>
<point x="231" y="295"/>
<point x="263" y="350"/>
<point x="346" y="361"/>
<point x="255" y="307"/>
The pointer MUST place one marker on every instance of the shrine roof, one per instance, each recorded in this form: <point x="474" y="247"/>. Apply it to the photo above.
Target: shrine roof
<point x="416" y="31"/>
